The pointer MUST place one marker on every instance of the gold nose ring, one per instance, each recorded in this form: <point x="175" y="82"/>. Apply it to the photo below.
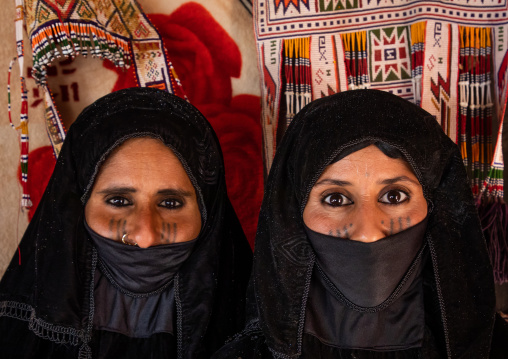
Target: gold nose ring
<point x="124" y="237"/>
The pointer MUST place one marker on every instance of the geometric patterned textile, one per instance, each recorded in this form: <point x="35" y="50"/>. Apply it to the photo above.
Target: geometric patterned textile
<point x="116" y="30"/>
<point x="390" y="54"/>
<point x="475" y="120"/>
<point x="409" y="48"/>
<point x="440" y="74"/>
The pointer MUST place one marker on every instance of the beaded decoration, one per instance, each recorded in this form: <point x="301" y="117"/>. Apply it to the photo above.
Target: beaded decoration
<point x="23" y="119"/>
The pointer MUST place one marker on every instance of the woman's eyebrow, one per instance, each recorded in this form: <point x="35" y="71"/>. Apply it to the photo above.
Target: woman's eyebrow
<point x="174" y="192"/>
<point x="399" y="179"/>
<point x="117" y="190"/>
<point x="335" y="182"/>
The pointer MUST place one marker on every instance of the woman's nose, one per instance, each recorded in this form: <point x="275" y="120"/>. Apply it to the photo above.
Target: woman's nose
<point x="368" y="225"/>
<point x="146" y="228"/>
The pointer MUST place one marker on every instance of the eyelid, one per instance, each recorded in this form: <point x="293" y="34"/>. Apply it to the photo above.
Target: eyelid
<point x="397" y="187"/>
<point x="339" y="190"/>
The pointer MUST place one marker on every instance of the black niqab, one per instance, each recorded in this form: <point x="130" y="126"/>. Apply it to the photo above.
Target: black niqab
<point x="134" y="287"/>
<point x="139" y="271"/>
<point x="52" y="289"/>
<point x="367" y="274"/>
<point x="368" y="295"/>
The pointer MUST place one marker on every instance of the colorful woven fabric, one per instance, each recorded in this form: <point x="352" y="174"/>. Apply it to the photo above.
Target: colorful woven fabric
<point x="116" y="30"/>
<point x="407" y="48"/>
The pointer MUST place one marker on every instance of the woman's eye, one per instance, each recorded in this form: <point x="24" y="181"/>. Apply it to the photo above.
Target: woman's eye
<point x="118" y="201"/>
<point x="394" y="196"/>
<point x="337" y="200"/>
<point x="171" y="203"/>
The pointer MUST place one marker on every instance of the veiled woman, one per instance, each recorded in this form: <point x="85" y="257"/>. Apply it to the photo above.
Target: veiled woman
<point x="135" y="250"/>
<point x="369" y="244"/>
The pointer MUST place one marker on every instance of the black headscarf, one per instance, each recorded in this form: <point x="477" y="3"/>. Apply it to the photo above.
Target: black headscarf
<point x="52" y="289"/>
<point x="458" y="282"/>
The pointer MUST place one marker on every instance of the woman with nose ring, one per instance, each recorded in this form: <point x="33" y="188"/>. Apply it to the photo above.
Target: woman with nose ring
<point x="135" y="250"/>
<point x="369" y="244"/>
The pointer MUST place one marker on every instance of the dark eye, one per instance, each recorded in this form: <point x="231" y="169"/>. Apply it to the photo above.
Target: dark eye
<point x="171" y="203"/>
<point x="394" y="196"/>
<point x="118" y="201"/>
<point x="337" y="200"/>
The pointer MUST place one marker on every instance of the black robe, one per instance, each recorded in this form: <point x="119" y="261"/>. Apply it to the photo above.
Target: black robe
<point x="47" y="301"/>
<point x="458" y="286"/>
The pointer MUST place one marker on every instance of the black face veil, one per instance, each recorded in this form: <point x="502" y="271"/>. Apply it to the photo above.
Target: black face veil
<point x="53" y="286"/>
<point x="458" y="278"/>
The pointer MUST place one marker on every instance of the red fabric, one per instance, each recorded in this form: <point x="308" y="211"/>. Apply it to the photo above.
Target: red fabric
<point x="41" y="163"/>
<point x="205" y="59"/>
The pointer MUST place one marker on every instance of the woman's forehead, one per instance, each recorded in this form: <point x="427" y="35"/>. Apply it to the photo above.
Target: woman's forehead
<point x="368" y="163"/>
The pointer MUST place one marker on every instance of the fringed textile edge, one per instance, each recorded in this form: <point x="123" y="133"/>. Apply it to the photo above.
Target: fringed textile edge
<point x="417" y="58"/>
<point x="494" y="220"/>
<point x="355" y="54"/>
<point x="475" y="102"/>
<point x="55" y="333"/>
<point x="298" y="75"/>
<point x="67" y="39"/>
<point x="493" y="186"/>
<point x="493" y="211"/>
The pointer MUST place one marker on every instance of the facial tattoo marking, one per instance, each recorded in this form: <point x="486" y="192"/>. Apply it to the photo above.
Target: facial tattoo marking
<point x="165" y="232"/>
<point x="346" y="234"/>
<point x="174" y="232"/>
<point x="408" y="221"/>
<point x="124" y="230"/>
<point x="338" y="233"/>
<point x="111" y="223"/>
<point x="119" y="231"/>
<point x="391" y="226"/>
<point x="401" y="226"/>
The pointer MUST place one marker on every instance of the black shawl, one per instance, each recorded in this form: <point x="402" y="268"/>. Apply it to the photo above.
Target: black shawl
<point x="52" y="289"/>
<point x="459" y="288"/>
